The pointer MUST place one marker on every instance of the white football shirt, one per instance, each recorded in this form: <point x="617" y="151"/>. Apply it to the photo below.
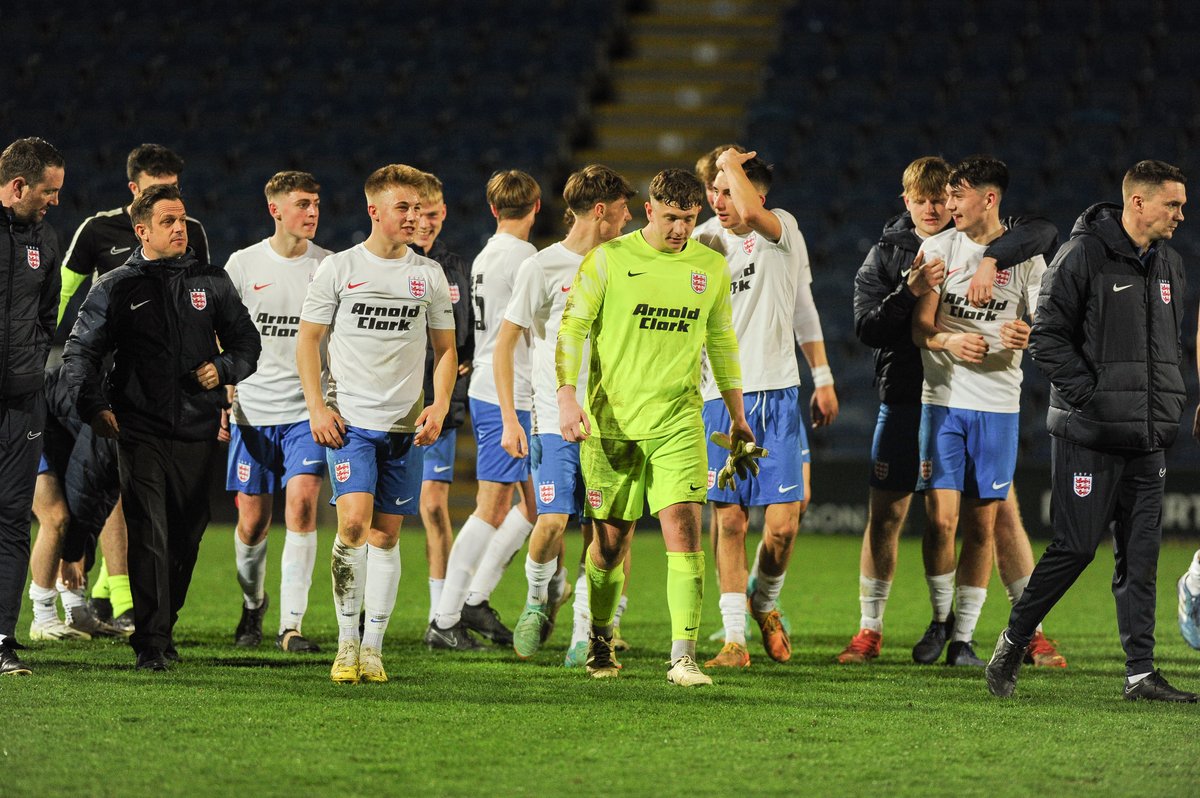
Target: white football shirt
<point x="273" y="288"/>
<point x="378" y="311"/>
<point x="538" y="299"/>
<point x="993" y="386"/>
<point x="492" y="275"/>
<point x="769" y="285"/>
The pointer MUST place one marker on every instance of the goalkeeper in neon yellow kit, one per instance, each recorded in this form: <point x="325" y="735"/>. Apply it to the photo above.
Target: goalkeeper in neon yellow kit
<point x="649" y="301"/>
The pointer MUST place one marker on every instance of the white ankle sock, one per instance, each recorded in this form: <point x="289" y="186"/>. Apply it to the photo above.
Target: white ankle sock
<point x="45" y="610"/>
<point x="295" y="578"/>
<point x="581" y="612"/>
<point x="968" y="603"/>
<point x="682" y="648"/>
<point x="733" y="613"/>
<point x="505" y="544"/>
<point x="251" y="564"/>
<point x="469" y="546"/>
<point x="349" y="578"/>
<point x="872" y="597"/>
<point x="435" y="595"/>
<point x="539" y="574"/>
<point x="941" y="594"/>
<point x="383" y="580"/>
<point x="766" y="591"/>
<point x="621" y="605"/>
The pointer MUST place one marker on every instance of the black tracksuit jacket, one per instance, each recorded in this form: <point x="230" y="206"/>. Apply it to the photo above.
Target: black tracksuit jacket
<point x="29" y="287"/>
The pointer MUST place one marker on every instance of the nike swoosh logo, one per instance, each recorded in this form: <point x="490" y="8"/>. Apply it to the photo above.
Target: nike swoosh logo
<point x="33" y="435"/>
<point x="138" y="305"/>
<point x="634" y="274"/>
<point x="258" y="287"/>
<point x="352" y="286"/>
<point x="1117" y="288"/>
<point x="306" y="461"/>
<point x="952" y="271"/>
<point x="693" y="487"/>
<point x="119" y="250"/>
<point x="440" y="469"/>
<point x="786" y="488"/>
<point x="566" y="288"/>
<point x="403" y="501"/>
<point x="999" y="485"/>
<point x="690" y="628"/>
<point x="1162" y="472"/>
<point x="904" y="274"/>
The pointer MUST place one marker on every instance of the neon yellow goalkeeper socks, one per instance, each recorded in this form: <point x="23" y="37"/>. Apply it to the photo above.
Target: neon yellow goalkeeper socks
<point x="685" y="592"/>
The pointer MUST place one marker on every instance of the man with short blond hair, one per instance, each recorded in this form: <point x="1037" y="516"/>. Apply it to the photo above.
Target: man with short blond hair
<point x="378" y="303"/>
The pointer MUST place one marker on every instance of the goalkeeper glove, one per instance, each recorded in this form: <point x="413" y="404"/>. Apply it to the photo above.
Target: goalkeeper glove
<point x="742" y="460"/>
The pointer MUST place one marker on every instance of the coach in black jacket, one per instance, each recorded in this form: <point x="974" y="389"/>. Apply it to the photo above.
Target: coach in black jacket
<point x="1107" y="336"/>
<point x="31" y="175"/>
<point x="161" y="315"/>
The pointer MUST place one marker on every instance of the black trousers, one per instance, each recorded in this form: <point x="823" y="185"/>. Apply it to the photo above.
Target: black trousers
<point x="21" y="422"/>
<point x="1095" y="495"/>
<point x="164" y="486"/>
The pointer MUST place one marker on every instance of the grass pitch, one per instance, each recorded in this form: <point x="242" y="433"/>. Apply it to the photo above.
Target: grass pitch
<point x="229" y="721"/>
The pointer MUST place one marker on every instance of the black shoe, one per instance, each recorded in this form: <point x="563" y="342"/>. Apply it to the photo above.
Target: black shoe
<point x="293" y="642"/>
<point x="10" y="663"/>
<point x="249" y="629"/>
<point x="962" y="652"/>
<point x="929" y="647"/>
<point x="171" y="655"/>
<point x="1155" y="688"/>
<point x="482" y="618"/>
<point x="151" y="659"/>
<point x="456" y="638"/>
<point x="103" y="609"/>
<point x="1002" y="669"/>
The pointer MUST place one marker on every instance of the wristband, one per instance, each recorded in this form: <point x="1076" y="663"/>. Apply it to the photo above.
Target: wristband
<point x="822" y="376"/>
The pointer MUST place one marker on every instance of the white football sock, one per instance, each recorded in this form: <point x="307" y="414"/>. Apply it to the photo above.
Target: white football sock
<point x="383" y="580"/>
<point x="469" y="546"/>
<point x="872" y="597"/>
<point x="682" y="648"/>
<point x="941" y="594"/>
<point x="1015" y="589"/>
<point x="251" y="564"/>
<point x="621" y="605"/>
<point x="582" y="623"/>
<point x="435" y="595"/>
<point x="505" y="544"/>
<point x="45" y="610"/>
<point x="968" y="602"/>
<point x="295" y="578"/>
<point x="1193" y="575"/>
<point x="766" y="591"/>
<point x="1135" y="678"/>
<point x="539" y="574"/>
<point x="733" y="613"/>
<point x="349" y="578"/>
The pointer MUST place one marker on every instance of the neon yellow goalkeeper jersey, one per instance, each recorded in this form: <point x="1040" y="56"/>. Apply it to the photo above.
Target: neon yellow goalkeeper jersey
<point x="649" y="313"/>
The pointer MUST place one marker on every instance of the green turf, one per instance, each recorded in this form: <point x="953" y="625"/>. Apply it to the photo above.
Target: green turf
<point x="236" y="722"/>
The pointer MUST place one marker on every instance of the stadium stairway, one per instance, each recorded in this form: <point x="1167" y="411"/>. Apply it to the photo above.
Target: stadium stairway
<point x="683" y="86"/>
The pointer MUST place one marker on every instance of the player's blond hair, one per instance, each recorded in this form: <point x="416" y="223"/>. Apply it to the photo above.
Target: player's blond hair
<point x="433" y="193"/>
<point x="925" y="178"/>
<point x="706" y="165"/>
<point x="282" y="183"/>
<point x="513" y="193"/>
<point x="393" y="175"/>
<point x="592" y="184"/>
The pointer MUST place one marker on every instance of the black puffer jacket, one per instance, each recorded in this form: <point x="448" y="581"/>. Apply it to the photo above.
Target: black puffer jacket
<point x="458" y="277"/>
<point x="161" y="319"/>
<point x="29" y="287"/>
<point x="883" y="304"/>
<point x="1107" y="336"/>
